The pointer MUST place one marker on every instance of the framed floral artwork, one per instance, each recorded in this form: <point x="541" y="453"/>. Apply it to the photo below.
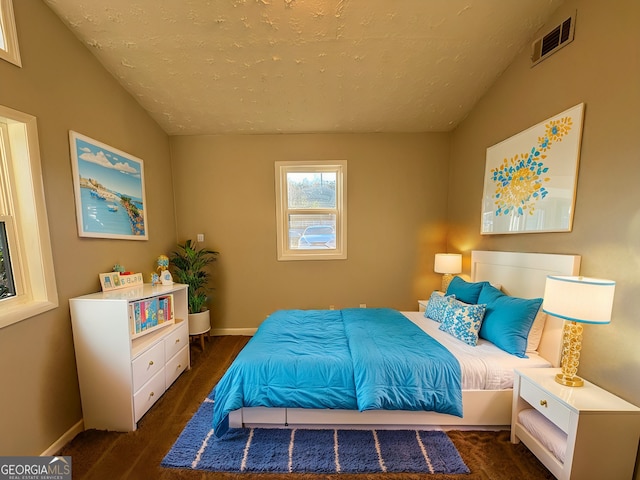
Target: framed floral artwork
<point x="109" y="188"/>
<point x="530" y="179"/>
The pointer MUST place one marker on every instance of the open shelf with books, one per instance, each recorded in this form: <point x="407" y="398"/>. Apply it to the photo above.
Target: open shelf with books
<point x="150" y="314"/>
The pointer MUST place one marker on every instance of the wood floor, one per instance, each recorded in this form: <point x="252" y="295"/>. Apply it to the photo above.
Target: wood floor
<point x="137" y="455"/>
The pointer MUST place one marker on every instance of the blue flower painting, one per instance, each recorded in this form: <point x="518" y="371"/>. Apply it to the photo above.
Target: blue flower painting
<point x="530" y="178"/>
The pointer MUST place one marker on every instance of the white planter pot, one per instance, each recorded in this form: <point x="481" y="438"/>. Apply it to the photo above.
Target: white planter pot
<point x="199" y="323"/>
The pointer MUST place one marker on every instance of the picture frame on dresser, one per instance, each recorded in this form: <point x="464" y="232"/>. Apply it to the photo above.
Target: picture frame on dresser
<point x="115" y="280"/>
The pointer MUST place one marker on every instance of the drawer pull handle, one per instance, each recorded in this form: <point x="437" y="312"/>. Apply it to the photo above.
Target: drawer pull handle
<point x="177" y="340"/>
<point x="151" y="394"/>
<point x="543" y="403"/>
<point x="179" y="367"/>
<point x="150" y="362"/>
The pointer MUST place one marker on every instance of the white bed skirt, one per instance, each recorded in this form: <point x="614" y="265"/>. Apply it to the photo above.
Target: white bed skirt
<point x="483" y="409"/>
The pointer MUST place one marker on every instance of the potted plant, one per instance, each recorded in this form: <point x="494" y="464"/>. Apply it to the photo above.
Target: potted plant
<point x="188" y="264"/>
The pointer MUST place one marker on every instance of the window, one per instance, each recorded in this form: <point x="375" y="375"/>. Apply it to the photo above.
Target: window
<point x="27" y="281"/>
<point x="7" y="285"/>
<point x="8" y="36"/>
<point x="311" y="211"/>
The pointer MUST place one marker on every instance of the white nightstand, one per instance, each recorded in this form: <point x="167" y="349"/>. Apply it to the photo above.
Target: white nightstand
<point x="602" y="430"/>
<point x="422" y="305"/>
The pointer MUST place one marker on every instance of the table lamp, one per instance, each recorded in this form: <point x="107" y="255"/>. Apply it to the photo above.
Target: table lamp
<point x="577" y="300"/>
<point x="448" y="264"/>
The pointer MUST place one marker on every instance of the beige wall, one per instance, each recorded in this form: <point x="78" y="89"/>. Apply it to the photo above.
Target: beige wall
<point x="64" y="86"/>
<point x="600" y="68"/>
<point x="396" y="210"/>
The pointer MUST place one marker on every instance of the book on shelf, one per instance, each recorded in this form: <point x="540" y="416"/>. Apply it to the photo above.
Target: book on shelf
<point x="150" y="312"/>
<point x="165" y="308"/>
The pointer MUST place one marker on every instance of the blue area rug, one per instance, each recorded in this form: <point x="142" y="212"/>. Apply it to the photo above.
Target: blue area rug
<point x="255" y="450"/>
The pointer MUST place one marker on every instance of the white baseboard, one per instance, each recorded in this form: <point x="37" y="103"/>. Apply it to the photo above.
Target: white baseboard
<point x="64" y="439"/>
<point x="233" y="331"/>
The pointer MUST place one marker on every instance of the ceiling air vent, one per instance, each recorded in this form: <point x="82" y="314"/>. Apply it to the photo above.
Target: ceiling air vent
<point x="553" y="41"/>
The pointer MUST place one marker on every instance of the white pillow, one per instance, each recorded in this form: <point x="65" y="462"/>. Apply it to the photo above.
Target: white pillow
<point x="535" y="334"/>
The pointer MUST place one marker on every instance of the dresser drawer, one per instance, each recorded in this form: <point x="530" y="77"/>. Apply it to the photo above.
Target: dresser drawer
<point x="149" y="394"/>
<point x="176" y="340"/>
<point x="147" y="364"/>
<point x="176" y="365"/>
<point x="546" y="404"/>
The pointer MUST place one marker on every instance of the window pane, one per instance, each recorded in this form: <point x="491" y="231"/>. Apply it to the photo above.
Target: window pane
<point x="312" y="231"/>
<point x="8" y="36"/>
<point x="3" y="45"/>
<point x="7" y="287"/>
<point x="311" y="189"/>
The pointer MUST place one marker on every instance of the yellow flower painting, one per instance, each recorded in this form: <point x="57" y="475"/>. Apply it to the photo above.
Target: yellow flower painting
<point x="530" y="178"/>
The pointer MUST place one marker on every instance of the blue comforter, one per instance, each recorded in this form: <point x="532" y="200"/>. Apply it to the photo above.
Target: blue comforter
<point x="355" y="359"/>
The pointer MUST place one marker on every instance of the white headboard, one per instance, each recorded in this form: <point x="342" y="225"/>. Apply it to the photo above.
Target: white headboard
<point x="524" y="275"/>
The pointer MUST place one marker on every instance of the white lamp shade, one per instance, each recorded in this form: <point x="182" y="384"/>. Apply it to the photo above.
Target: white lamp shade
<point x="579" y="299"/>
<point x="448" y="263"/>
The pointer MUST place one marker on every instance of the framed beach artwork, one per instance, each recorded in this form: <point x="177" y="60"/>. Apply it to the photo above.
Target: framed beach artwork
<point x="109" y="190"/>
<point x="530" y="179"/>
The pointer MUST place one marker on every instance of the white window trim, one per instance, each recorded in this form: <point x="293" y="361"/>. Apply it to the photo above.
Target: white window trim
<point x="11" y="52"/>
<point x="282" y="226"/>
<point x="31" y="254"/>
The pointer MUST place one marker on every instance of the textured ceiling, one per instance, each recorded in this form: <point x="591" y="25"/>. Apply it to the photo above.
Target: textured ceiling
<point x="269" y="66"/>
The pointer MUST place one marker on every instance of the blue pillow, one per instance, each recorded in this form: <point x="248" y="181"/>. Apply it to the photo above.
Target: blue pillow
<point x="437" y="306"/>
<point x="463" y="321"/>
<point x="466" y="292"/>
<point x="507" y="320"/>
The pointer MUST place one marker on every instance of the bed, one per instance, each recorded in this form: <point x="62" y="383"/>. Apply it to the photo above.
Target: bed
<point x="484" y="398"/>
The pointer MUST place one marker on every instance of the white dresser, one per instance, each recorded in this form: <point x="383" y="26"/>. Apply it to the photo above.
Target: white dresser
<point x="597" y="431"/>
<point x="122" y="373"/>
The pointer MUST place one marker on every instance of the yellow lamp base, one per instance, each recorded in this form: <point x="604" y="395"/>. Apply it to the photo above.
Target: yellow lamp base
<point x="446" y="280"/>
<point x="571" y="346"/>
<point x="569" y="381"/>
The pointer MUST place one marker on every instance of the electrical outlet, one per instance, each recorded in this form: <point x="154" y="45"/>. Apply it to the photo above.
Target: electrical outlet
<point x="200" y="237"/>
<point x="332" y="307"/>
<point x="363" y="305"/>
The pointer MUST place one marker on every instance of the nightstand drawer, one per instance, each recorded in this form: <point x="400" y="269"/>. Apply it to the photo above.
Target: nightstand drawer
<point x="546" y="404"/>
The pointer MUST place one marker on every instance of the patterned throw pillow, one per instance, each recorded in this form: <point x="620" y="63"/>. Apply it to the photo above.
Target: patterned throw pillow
<point x="463" y="321"/>
<point x="437" y="306"/>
